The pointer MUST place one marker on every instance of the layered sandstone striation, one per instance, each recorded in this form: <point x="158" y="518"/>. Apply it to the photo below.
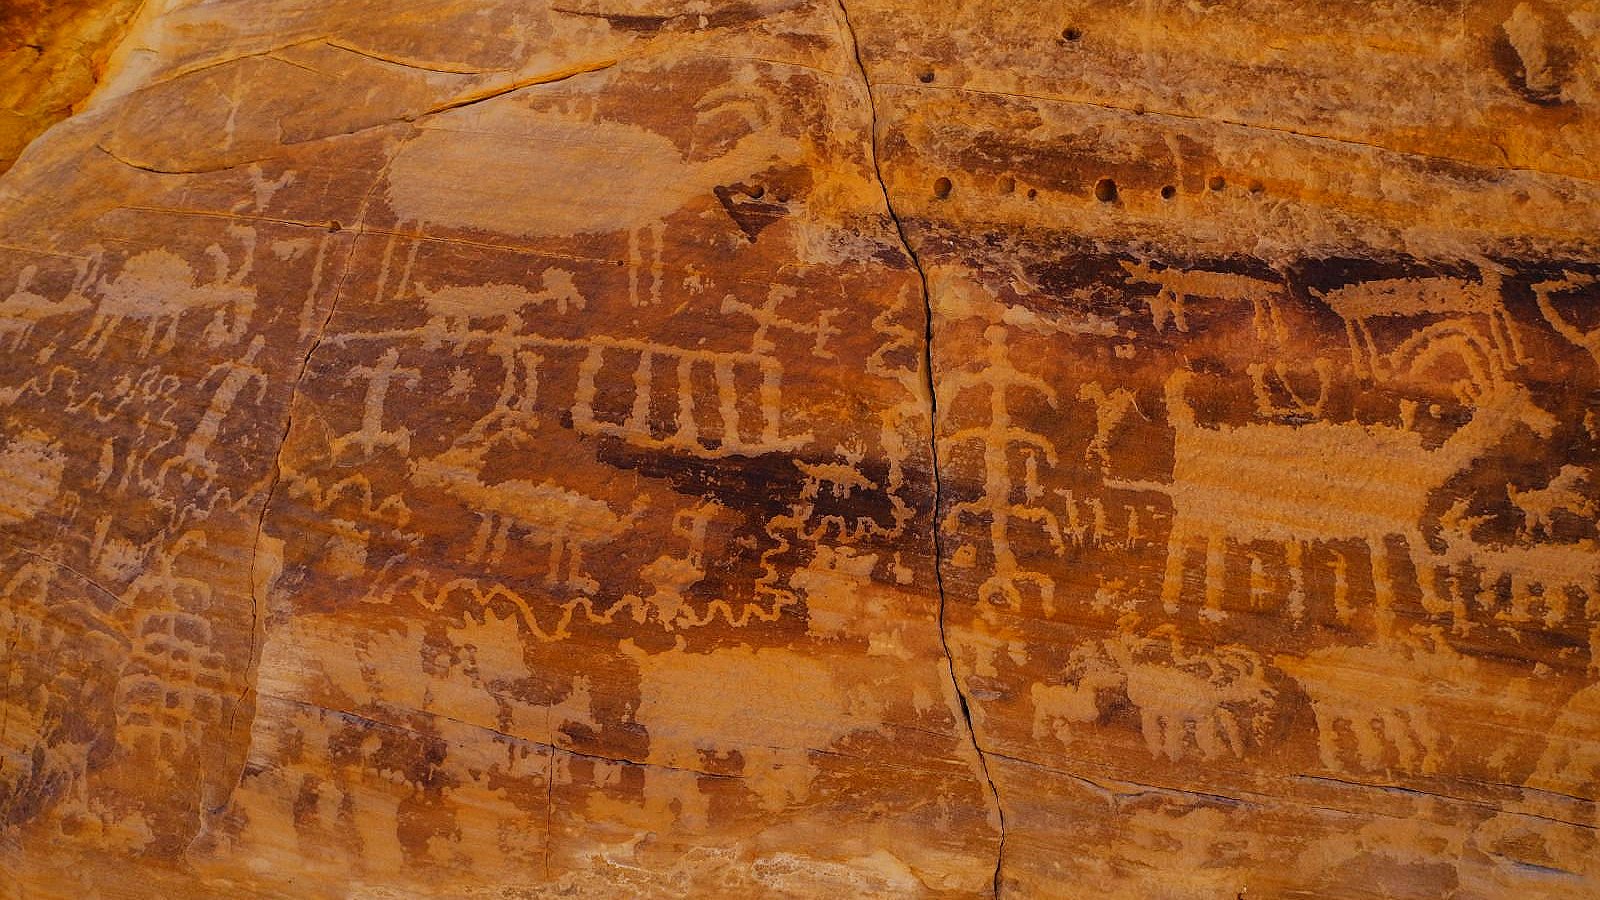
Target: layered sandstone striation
<point x="787" y="448"/>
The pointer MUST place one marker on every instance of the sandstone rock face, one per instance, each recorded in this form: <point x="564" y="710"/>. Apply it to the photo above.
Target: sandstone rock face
<point x="52" y="52"/>
<point x="788" y="449"/>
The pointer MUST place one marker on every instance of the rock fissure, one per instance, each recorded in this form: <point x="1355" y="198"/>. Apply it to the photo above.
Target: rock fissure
<point x="257" y="634"/>
<point x="933" y="439"/>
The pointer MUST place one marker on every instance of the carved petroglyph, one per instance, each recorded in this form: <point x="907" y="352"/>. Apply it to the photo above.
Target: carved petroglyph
<point x="1204" y="697"/>
<point x="372" y="436"/>
<point x="780" y="709"/>
<point x="24" y="309"/>
<point x="629" y="454"/>
<point x="1263" y="376"/>
<point x="1455" y="299"/>
<point x="1569" y="764"/>
<point x="453" y="310"/>
<point x="671" y="575"/>
<point x="995" y="439"/>
<point x="767" y="318"/>
<point x="657" y="375"/>
<point x="157" y="287"/>
<point x="31" y="468"/>
<point x="1562" y="494"/>
<point x="174" y="685"/>
<point x="566" y="521"/>
<point x="1212" y="703"/>
<point x="643" y="175"/>
<point x="1110" y="409"/>
<point x="236" y="377"/>
<point x="1366" y="482"/>
<point x="1177" y="286"/>
<point x="1588" y="340"/>
<point x="721" y="433"/>
<point x="1560" y="578"/>
<point x="1376" y="707"/>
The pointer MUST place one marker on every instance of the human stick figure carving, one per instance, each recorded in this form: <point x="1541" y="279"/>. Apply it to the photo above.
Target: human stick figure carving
<point x="372" y="435"/>
<point x="767" y="318"/>
<point x="996" y="437"/>
<point x="236" y="376"/>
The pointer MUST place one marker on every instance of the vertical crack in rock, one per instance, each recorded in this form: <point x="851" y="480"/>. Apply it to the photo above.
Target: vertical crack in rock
<point x="256" y="633"/>
<point x="933" y="437"/>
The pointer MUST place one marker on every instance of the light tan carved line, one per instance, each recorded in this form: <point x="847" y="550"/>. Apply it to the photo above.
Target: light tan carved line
<point x="725" y="365"/>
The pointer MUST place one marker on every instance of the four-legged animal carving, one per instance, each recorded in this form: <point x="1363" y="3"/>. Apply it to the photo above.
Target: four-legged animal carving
<point x="157" y="287"/>
<point x="567" y="521"/>
<point x="1322" y="481"/>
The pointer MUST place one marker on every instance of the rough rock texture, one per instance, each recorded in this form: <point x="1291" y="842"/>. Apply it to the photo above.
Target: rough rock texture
<point x="52" y="52"/>
<point x="783" y="448"/>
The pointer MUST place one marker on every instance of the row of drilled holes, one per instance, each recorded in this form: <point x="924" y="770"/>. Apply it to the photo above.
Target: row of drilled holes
<point x="1105" y="190"/>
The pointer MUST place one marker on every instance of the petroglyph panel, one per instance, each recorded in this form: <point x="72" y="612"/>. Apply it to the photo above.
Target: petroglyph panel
<point x="527" y="487"/>
<point x="787" y="448"/>
<point x="1268" y="529"/>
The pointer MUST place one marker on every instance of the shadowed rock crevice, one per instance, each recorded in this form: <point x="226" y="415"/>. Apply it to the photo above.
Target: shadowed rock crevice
<point x="930" y="386"/>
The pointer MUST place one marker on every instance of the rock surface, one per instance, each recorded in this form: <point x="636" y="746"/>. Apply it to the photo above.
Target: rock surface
<point x="786" y="449"/>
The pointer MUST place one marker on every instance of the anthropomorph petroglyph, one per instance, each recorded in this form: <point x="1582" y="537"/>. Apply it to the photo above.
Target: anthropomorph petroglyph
<point x="995" y="437"/>
<point x="372" y="436"/>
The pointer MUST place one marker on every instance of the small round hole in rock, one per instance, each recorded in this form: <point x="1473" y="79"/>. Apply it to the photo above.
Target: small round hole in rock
<point x="756" y="193"/>
<point x="941" y="188"/>
<point x="1033" y="194"/>
<point x="926" y="77"/>
<point x="335" y="226"/>
<point x="1105" y="190"/>
<point x="1256" y="186"/>
<point x="1071" y="34"/>
<point x="1216" y="183"/>
<point x="1168" y="192"/>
